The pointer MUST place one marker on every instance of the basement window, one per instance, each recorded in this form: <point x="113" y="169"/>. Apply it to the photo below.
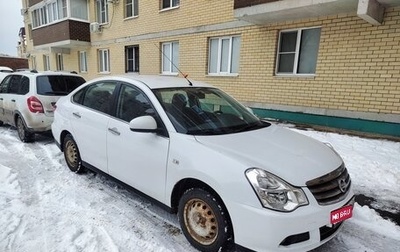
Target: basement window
<point x="169" y="4"/>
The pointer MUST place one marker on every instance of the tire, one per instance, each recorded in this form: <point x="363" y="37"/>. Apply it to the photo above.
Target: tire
<point x="23" y="133"/>
<point x="1" y="123"/>
<point x="204" y="221"/>
<point x="71" y="154"/>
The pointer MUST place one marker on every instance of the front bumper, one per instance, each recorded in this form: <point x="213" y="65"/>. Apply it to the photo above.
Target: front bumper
<point x="306" y="228"/>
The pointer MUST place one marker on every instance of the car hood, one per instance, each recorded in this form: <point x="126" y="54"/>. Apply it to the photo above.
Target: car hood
<point x="291" y="156"/>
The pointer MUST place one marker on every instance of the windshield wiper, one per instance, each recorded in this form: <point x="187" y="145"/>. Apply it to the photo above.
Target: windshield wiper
<point x="253" y="126"/>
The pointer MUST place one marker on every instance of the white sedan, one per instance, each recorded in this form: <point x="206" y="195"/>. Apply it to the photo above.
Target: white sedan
<point x="232" y="178"/>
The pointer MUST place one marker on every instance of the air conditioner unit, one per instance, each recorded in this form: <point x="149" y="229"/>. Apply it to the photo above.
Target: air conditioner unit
<point x="95" y="27"/>
<point x="24" y="11"/>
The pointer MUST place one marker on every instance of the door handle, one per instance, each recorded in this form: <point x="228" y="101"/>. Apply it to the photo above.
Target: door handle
<point x="13" y="100"/>
<point x="114" y="131"/>
<point x="1" y="99"/>
<point x="76" y="114"/>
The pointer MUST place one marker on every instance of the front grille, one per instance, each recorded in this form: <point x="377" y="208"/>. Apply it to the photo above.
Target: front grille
<point x="332" y="187"/>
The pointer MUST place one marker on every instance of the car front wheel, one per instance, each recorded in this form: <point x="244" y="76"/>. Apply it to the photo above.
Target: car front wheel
<point x="23" y="132"/>
<point x="204" y="220"/>
<point x="71" y="154"/>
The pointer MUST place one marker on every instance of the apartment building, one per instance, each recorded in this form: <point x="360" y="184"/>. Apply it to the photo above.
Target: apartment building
<point x="327" y="62"/>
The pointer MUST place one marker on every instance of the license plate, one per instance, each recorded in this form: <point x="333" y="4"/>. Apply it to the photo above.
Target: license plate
<point x="341" y="214"/>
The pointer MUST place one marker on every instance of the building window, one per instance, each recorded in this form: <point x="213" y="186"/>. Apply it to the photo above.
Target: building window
<point x="104" y="60"/>
<point x="82" y="62"/>
<point x="298" y="51"/>
<point x="79" y="9"/>
<point x="170" y="57"/>
<point x="224" y="55"/>
<point x="63" y="11"/>
<point x="55" y="10"/>
<point x="34" y="66"/>
<point x="60" y="62"/>
<point x="167" y="4"/>
<point x="102" y="11"/>
<point x="46" y="62"/>
<point x="132" y="59"/>
<point x="131" y="8"/>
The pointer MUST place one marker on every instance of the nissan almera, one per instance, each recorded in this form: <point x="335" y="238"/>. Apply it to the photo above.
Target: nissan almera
<point x="231" y="177"/>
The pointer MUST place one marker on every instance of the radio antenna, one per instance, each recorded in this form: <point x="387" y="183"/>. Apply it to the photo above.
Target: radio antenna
<point x="183" y="74"/>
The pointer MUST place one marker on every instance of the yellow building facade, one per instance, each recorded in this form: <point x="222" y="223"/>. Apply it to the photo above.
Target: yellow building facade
<point x="334" y="66"/>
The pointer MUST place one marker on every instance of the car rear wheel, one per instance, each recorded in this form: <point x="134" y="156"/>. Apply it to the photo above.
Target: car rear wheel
<point x="204" y="220"/>
<point x="1" y="123"/>
<point x="71" y="154"/>
<point x="23" y="132"/>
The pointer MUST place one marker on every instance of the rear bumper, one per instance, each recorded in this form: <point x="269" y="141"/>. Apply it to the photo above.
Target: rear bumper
<point x="38" y="122"/>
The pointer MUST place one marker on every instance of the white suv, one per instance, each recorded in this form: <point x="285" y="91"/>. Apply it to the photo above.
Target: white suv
<point x="27" y="99"/>
<point x="231" y="177"/>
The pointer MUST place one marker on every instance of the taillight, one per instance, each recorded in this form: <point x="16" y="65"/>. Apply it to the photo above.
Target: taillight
<point x="34" y="105"/>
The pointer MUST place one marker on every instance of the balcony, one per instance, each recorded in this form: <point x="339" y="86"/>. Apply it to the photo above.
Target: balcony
<point x="65" y="34"/>
<point x="272" y="11"/>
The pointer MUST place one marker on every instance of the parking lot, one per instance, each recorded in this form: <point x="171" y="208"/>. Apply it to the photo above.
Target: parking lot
<point x="45" y="207"/>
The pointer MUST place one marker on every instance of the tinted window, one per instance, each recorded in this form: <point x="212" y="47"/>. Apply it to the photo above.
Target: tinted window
<point x="24" y="87"/>
<point x="57" y="85"/>
<point x="4" y="84"/>
<point x="132" y="103"/>
<point x="78" y="97"/>
<point x="14" y="84"/>
<point x="99" y="96"/>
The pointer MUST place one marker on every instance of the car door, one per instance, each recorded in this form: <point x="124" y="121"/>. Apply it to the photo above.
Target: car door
<point x="10" y="97"/>
<point x="136" y="158"/>
<point x="89" y="120"/>
<point x="3" y="95"/>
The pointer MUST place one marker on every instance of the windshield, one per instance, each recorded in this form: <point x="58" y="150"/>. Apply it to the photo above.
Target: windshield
<point x="206" y="111"/>
<point x="57" y="85"/>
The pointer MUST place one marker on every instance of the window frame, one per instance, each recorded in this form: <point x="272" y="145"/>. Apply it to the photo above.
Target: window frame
<point x="168" y="57"/>
<point x="135" y="59"/>
<point x="104" y="61"/>
<point x="171" y="6"/>
<point x="60" y="62"/>
<point x="296" y="53"/>
<point x="46" y="62"/>
<point x="219" y="55"/>
<point x="99" y="18"/>
<point x="50" y="12"/>
<point x="133" y="6"/>
<point x="83" y="65"/>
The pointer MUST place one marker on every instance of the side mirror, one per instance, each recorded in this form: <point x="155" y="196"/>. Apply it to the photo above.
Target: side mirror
<point x="143" y="124"/>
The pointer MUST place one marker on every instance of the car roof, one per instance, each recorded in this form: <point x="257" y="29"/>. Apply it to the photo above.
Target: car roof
<point x="157" y="81"/>
<point x="43" y="73"/>
<point x="6" y="69"/>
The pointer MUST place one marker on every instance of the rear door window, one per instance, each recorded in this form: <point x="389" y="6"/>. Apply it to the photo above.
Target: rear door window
<point x="14" y="84"/>
<point x="97" y="96"/>
<point x="57" y="85"/>
<point x="5" y="84"/>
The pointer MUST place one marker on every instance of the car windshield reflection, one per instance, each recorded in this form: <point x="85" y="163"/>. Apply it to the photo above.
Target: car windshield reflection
<point x="206" y="111"/>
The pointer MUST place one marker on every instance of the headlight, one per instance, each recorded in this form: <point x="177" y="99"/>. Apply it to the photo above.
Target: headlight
<point x="274" y="193"/>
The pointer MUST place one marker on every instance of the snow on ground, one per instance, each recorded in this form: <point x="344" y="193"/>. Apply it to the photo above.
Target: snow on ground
<point x="44" y="207"/>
